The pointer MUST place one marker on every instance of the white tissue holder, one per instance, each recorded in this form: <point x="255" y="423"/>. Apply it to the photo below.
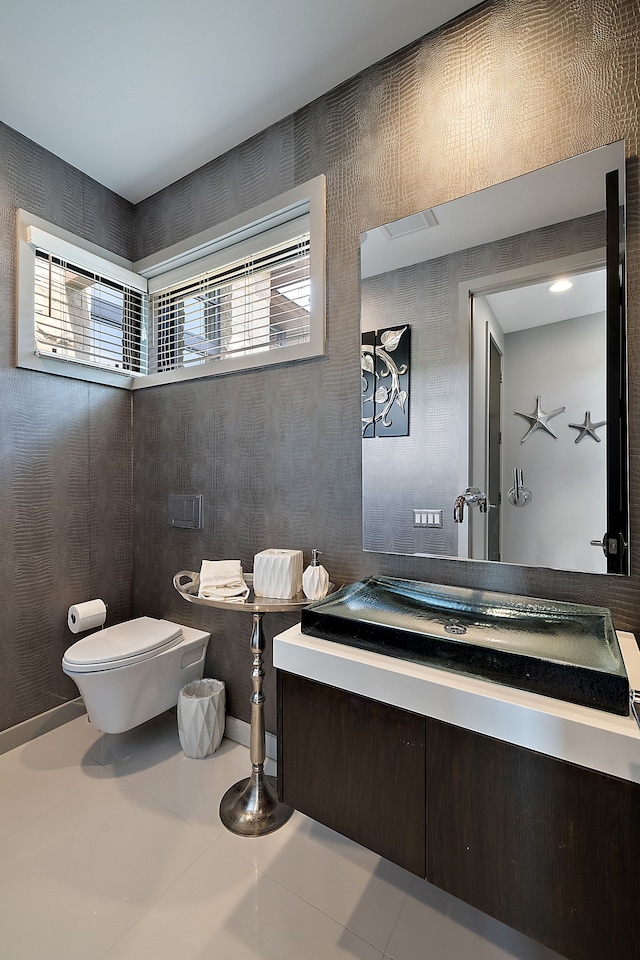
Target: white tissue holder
<point x="277" y="574"/>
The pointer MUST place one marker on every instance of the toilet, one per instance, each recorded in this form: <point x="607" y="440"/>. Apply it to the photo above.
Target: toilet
<point x="135" y="670"/>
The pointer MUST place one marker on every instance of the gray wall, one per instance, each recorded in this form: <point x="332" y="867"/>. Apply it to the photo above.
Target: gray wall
<point x="65" y="454"/>
<point x="564" y="364"/>
<point x="421" y="469"/>
<point x="509" y="87"/>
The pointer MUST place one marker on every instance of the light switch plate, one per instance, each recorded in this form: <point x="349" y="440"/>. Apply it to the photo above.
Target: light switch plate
<point x="427" y="517"/>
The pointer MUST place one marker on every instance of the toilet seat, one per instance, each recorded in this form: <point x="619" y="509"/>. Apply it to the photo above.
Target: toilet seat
<point x="121" y="645"/>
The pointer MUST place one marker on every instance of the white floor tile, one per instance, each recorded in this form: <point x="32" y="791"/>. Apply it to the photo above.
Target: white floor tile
<point x="222" y="907"/>
<point x="77" y="877"/>
<point x="194" y="788"/>
<point x="150" y="758"/>
<point x="41" y="774"/>
<point x="354" y="886"/>
<point x="112" y="847"/>
<point x="135" y="750"/>
<point x="436" y="926"/>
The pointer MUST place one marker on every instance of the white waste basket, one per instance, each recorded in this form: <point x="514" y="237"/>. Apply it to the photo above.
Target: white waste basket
<point x="201" y="714"/>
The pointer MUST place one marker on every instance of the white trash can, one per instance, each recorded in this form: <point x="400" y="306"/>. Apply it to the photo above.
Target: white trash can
<point x="201" y="714"/>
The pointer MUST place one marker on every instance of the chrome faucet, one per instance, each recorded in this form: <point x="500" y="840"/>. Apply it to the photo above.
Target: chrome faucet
<point x="471" y="496"/>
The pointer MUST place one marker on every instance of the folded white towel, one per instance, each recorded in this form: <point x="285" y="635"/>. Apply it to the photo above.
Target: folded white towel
<point x="222" y="580"/>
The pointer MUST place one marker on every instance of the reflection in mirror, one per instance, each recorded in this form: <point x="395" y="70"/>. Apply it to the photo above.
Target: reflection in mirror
<point x="516" y="444"/>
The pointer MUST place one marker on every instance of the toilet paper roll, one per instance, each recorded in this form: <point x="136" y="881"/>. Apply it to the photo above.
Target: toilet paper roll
<point x="86" y="616"/>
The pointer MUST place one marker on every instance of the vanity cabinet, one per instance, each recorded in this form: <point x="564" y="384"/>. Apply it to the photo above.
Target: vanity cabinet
<point x="355" y="765"/>
<point x="545" y="846"/>
<point x="548" y="847"/>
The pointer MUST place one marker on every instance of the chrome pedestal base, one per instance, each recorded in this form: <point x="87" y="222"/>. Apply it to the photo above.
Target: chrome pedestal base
<point x="251" y="807"/>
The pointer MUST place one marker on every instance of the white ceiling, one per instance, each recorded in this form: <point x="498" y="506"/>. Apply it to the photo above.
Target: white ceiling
<point x="137" y="93"/>
<point x="534" y="306"/>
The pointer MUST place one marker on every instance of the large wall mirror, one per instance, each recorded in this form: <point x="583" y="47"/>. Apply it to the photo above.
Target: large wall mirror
<point x="493" y="342"/>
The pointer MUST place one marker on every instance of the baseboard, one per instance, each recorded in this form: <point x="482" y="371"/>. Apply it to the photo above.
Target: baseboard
<point x="44" y="722"/>
<point x="240" y="731"/>
<point x="237" y="730"/>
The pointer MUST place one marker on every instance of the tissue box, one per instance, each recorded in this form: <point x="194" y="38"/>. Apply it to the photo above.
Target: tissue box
<point x="277" y="574"/>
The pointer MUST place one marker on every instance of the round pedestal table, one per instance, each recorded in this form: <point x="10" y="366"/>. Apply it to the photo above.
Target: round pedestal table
<point x="250" y="807"/>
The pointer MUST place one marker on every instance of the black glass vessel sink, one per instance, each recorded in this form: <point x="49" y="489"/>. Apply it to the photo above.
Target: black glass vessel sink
<point x="562" y="650"/>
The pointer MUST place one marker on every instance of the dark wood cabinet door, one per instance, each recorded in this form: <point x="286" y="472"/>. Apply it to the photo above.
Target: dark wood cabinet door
<point x="356" y="765"/>
<point x="547" y="847"/>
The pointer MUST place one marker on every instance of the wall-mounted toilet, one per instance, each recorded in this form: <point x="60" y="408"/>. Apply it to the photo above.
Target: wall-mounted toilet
<point x="134" y="671"/>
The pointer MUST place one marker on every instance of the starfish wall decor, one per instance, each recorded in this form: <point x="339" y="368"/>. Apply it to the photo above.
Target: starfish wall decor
<point x="539" y="420"/>
<point x="587" y="428"/>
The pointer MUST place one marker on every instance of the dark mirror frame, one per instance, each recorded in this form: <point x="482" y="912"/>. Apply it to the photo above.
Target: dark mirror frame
<point x="616" y="539"/>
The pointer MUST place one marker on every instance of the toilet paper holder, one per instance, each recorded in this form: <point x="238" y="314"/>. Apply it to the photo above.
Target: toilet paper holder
<point x="87" y="616"/>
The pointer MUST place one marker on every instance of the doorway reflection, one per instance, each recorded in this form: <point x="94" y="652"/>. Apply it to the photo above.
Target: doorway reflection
<point x="546" y="351"/>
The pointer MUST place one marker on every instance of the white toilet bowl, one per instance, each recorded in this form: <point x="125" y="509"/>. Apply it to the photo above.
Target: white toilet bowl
<point x="133" y="671"/>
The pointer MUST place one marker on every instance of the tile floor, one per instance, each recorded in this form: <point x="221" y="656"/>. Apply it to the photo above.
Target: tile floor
<point x="111" y="847"/>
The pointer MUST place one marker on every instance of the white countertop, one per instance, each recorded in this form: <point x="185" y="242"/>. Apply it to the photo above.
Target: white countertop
<point x="591" y="738"/>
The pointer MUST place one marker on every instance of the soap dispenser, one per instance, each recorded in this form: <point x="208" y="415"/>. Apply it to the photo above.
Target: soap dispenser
<point x="315" y="579"/>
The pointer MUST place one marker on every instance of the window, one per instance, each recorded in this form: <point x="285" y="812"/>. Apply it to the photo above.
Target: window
<point x="85" y="317"/>
<point x="247" y="293"/>
<point x="82" y="311"/>
<point x="247" y="307"/>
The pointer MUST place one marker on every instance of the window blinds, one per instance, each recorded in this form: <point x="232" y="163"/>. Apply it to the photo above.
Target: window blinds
<point x="84" y="317"/>
<point x="258" y="302"/>
<point x="255" y="303"/>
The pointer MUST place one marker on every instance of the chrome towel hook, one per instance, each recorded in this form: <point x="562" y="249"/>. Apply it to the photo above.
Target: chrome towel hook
<point x="519" y="495"/>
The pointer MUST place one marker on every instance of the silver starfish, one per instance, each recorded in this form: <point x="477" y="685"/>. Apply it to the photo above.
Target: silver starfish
<point x="539" y="420"/>
<point x="588" y="429"/>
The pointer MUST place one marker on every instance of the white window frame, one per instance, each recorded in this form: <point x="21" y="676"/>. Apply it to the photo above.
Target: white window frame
<point x="34" y="231"/>
<point x="239" y="235"/>
<point x="179" y="261"/>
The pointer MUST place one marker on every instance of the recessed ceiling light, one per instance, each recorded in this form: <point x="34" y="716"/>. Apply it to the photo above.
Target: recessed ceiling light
<point x="560" y="286"/>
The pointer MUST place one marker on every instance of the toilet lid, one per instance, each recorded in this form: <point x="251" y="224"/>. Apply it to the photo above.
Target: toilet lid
<point x="124" y="643"/>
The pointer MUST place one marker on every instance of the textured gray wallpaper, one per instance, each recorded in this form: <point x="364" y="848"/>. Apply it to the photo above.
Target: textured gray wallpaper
<point x="65" y="454"/>
<point x="512" y="86"/>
